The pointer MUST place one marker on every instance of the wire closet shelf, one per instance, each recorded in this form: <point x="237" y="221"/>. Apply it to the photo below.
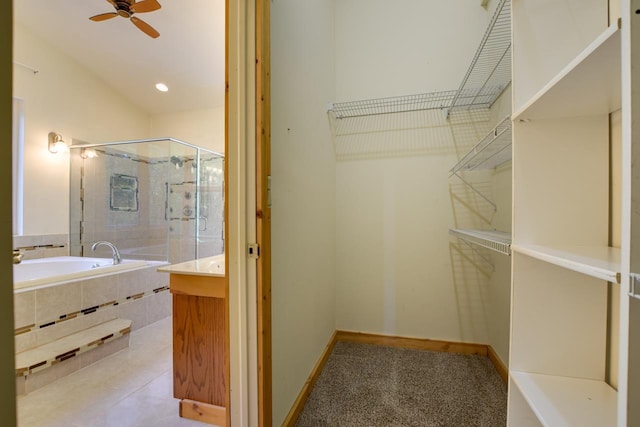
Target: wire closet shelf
<point x="485" y="80"/>
<point x="496" y="241"/>
<point x="492" y="151"/>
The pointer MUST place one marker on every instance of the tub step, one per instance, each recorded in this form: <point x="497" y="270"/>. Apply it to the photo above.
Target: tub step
<point x="45" y="356"/>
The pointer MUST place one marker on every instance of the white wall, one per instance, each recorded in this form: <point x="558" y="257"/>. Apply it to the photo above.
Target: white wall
<point x="393" y="263"/>
<point x="498" y="289"/>
<point x="62" y="97"/>
<point x="204" y="128"/>
<point x="401" y="47"/>
<point x="303" y="193"/>
<point x="397" y="273"/>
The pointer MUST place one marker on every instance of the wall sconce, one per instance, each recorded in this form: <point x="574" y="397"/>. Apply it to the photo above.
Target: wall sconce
<point x="56" y="143"/>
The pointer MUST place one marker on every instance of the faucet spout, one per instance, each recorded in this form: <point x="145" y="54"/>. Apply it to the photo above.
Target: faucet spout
<point x="17" y="256"/>
<point x="117" y="259"/>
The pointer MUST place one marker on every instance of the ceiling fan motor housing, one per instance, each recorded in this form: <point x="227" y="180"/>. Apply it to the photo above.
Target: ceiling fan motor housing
<point x="123" y="8"/>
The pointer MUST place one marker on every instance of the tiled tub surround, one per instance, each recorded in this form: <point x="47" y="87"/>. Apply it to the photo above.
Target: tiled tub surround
<point x="50" y="313"/>
<point x="42" y="365"/>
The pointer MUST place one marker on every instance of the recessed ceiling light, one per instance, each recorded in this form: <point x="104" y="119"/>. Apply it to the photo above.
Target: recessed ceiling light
<point x="162" y="87"/>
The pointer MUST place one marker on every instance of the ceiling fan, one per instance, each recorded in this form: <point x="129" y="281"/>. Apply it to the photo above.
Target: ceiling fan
<point x="126" y="9"/>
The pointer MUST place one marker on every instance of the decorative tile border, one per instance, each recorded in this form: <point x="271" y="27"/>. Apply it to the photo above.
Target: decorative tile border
<point x="37" y="367"/>
<point x="34" y="247"/>
<point x="24" y="329"/>
<point x="40" y="241"/>
<point x="86" y="311"/>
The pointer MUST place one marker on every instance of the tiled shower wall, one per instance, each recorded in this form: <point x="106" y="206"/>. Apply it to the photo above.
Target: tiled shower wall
<point x="164" y="225"/>
<point x="140" y="234"/>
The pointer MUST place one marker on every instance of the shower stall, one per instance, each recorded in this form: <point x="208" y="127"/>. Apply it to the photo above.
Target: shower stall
<point x="155" y="199"/>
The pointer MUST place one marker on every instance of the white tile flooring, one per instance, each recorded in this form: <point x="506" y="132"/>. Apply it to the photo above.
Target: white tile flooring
<point x="132" y="388"/>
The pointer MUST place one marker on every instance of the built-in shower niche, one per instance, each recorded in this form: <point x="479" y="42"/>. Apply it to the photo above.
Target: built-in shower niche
<point x="159" y="200"/>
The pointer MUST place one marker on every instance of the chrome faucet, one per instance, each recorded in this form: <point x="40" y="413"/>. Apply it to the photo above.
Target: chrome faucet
<point x="116" y="253"/>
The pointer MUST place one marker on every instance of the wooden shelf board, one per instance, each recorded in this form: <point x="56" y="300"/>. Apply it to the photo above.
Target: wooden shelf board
<point x="589" y="85"/>
<point x="564" y="401"/>
<point x="600" y="262"/>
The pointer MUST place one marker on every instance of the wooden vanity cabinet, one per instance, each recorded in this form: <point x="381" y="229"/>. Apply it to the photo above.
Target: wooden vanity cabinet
<point x="201" y="347"/>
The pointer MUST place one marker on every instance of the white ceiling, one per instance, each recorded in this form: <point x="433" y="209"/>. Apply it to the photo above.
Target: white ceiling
<point x="188" y="56"/>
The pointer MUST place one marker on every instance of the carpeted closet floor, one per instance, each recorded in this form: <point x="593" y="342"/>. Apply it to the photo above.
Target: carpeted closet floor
<point x="369" y="385"/>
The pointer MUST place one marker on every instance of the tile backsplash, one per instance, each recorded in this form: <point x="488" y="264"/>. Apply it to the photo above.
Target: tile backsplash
<point x="42" y="246"/>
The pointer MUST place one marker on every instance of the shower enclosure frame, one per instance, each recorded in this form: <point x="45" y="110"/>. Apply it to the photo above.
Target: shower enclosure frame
<point x="78" y="145"/>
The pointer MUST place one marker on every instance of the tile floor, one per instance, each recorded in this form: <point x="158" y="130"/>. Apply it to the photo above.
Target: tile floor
<point x="132" y="388"/>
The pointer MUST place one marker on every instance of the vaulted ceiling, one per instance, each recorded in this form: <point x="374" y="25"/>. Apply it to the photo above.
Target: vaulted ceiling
<point x="188" y="56"/>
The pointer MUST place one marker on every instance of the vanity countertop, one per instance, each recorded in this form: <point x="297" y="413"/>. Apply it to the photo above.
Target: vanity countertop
<point x="211" y="266"/>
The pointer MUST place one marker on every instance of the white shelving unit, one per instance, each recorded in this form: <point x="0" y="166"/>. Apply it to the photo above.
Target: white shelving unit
<point x="595" y="261"/>
<point x="588" y="85"/>
<point x="567" y="402"/>
<point x="562" y="345"/>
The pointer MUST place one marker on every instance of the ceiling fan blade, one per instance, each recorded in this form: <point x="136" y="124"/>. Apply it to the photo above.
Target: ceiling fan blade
<point x="146" y="28"/>
<point x="145" y="6"/>
<point x="104" y="16"/>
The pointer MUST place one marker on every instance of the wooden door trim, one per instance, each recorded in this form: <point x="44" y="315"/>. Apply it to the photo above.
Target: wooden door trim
<point x="227" y="345"/>
<point x="263" y="211"/>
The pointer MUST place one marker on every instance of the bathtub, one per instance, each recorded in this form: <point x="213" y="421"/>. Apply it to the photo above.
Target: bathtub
<point x="56" y="270"/>
<point x="61" y="299"/>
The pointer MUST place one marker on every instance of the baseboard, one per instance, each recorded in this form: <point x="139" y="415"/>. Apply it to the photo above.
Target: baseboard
<point x="413" y="343"/>
<point x="298" y="405"/>
<point x="502" y="369"/>
<point x="388" y="340"/>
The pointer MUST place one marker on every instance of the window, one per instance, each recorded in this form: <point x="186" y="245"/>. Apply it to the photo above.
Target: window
<point x="17" y="150"/>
